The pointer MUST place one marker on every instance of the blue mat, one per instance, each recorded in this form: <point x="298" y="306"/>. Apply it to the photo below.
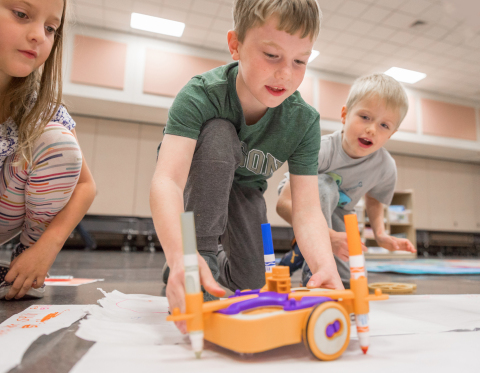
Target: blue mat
<point x="427" y="266"/>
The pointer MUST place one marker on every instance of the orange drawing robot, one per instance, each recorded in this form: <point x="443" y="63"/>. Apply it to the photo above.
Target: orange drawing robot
<point x="259" y="320"/>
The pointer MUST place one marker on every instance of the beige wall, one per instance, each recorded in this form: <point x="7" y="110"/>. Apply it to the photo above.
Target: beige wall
<point x="446" y="194"/>
<point x="122" y="157"/>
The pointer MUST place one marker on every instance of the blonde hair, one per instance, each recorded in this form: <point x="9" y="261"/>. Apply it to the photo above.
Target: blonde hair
<point x="382" y="86"/>
<point x="43" y="85"/>
<point x="293" y="15"/>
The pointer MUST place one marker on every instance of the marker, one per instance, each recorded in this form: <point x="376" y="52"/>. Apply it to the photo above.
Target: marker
<point x="357" y="271"/>
<point x="268" y="254"/>
<point x="193" y="292"/>
<point x="59" y="278"/>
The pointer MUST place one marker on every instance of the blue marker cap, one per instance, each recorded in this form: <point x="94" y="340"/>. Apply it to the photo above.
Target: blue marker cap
<point x="267" y="239"/>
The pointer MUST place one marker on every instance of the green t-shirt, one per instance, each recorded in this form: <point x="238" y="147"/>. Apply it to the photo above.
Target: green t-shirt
<point x="289" y="132"/>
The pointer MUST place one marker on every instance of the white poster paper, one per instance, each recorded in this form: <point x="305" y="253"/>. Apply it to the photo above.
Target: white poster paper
<point x="438" y="352"/>
<point x="19" y="331"/>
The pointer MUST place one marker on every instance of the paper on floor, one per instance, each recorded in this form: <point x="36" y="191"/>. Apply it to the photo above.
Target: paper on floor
<point x="439" y="352"/>
<point x="140" y="319"/>
<point x="72" y="282"/>
<point x="20" y="330"/>
<point x="130" y="319"/>
<point x="414" y="314"/>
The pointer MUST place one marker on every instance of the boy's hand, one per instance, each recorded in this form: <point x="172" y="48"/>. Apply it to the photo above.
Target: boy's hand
<point x="28" y="270"/>
<point x="176" y="288"/>
<point x="326" y="278"/>
<point x="340" y="245"/>
<point x="395" y="244"/>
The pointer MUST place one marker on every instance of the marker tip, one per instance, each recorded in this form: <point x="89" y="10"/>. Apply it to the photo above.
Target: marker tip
<point x="364" y="349"/>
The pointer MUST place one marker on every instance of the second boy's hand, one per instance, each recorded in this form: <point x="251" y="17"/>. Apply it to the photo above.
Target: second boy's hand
<point x="395" y="244"/>
<point x="340" y="245"/>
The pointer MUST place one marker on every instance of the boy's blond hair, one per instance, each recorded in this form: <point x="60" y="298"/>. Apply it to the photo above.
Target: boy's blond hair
<point x="382" y="86"/>
<point x="293" y="15"/>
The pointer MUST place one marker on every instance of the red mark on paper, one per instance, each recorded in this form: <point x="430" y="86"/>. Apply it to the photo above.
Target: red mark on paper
<point x="29" y="326"/>
<point x="50" y="316"/>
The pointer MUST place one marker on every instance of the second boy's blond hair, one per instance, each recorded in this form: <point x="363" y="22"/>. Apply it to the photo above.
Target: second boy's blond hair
<point x="382" y="86"/>
<point x="293" y="15"/>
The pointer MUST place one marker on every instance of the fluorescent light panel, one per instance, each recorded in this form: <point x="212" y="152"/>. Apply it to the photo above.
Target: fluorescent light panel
<point x="404" y="75"/>
<point x="313" y="55"/>
<point x="157" y="25"/>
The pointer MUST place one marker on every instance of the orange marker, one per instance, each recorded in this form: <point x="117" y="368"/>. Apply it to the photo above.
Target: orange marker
<point x="358" y="280"/>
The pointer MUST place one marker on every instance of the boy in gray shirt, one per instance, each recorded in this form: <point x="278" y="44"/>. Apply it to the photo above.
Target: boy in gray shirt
<point x="353" y="164"/>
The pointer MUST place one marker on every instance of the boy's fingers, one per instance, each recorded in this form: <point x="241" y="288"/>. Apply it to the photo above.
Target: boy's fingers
<point x="174" y="301"/>
<point x="182" y="326"/>
<point x="37" y="284"/>
<point x="317" y="280"/>
<point x="176" y="296"/>
<point x="16" y="287"/>
<point x="25" y="287"/>
<point x="11" y="275"/>
<point x="207" y="280"/>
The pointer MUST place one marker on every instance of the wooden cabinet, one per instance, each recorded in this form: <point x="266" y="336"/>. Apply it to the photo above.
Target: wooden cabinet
<point x="404" y="227"/>
<point x="412" y="174"/>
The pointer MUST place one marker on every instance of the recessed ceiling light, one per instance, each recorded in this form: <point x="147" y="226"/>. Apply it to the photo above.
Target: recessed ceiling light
<point x="404" y="75"/>
<point x="157" y="25"/>
<point x="313" y="55"/>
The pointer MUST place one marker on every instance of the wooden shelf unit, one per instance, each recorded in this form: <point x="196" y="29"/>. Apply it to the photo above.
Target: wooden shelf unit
<point x="400" y="197"/>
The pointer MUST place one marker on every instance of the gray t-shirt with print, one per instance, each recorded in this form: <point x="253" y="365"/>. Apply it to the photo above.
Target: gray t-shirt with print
<point x="375" y="174"/>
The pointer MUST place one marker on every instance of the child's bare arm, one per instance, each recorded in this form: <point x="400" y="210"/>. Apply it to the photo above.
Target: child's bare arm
<point x="376" y="216"/>
<point x="166" y="203"/>
<point x="311" y="232"/>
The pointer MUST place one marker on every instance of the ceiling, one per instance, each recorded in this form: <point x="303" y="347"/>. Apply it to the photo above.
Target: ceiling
<point x="357" y="36"/>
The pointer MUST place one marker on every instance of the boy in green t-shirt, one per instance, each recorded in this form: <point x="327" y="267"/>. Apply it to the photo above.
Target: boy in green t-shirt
<point x="227" y="131"/>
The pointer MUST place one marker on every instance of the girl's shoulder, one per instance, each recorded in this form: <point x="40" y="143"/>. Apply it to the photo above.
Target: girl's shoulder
<point x="63" y="117"/>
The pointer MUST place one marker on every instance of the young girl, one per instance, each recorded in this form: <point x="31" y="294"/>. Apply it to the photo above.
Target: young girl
<point x="45" y="185"/>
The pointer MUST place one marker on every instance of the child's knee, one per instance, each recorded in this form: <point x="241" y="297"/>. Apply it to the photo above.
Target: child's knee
<point x="57" y="143"/>
<point x="219" y="140"/>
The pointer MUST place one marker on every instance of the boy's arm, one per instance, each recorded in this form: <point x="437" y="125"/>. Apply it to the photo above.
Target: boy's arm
<point x="376" y="216"/>
<point x="338" y="240"/>
<point x="166" y="204"/>
<point x="311" y="232"/>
